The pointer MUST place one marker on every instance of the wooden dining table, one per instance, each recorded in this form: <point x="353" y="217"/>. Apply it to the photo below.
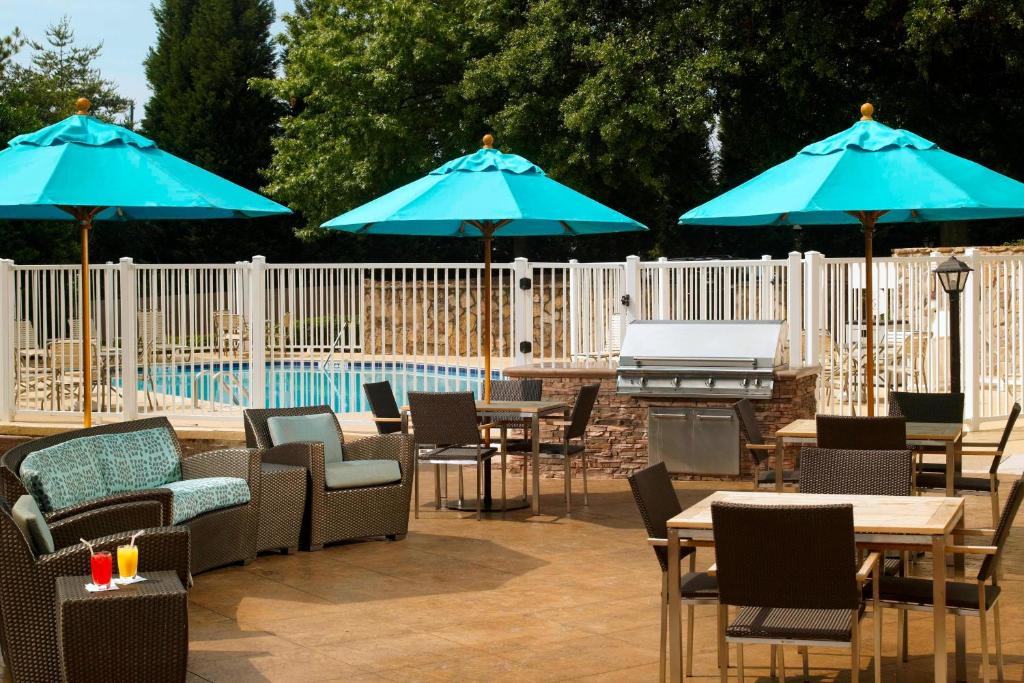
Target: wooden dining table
<point x="949" y="435"/>
<point x="905" y="522"/>
<point x="531" y="411"/>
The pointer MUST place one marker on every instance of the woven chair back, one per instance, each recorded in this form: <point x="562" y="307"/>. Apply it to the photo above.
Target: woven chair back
<point x="382" y="402"/>
<point x="581" y="411"/>
<point x="792" y="556"/>
<point x="744" y="410"/>
<point x="516" y="390"/>
<point x="1013" y="501"/>
<point x="1010" y="423"/>
<point x="870" y="433"/>
<point x="927" y="407"/>
<point x="444" y="418"/>
<point x="257" y="433"/>
<point x="857" y="472"/>
<point x="658" y="503"/>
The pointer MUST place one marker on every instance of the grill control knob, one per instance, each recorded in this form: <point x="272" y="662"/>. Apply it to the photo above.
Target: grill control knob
<point x="643" y="381"/>
<point x="709" y="382"/>
<point x="757" y="382"/>
<point x="745" y="382"/>
<point x="677" y="381"/>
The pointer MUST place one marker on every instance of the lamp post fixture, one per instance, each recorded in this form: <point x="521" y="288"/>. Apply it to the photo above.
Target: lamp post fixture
<point x="952" y="275"/>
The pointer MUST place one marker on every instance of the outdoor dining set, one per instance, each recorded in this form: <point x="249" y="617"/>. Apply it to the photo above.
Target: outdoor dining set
<point x="841" y="528"/>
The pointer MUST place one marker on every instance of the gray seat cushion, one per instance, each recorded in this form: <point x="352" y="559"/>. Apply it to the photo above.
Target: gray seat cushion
<point x="915" y="591"/>
<point x="322" y="428"/>
<point x="352" y="474"/>
<point x="698" y="586"/>
<point x="193" y="497"/>
<point x="803" y="624"/>
<point x="30" y="520"/>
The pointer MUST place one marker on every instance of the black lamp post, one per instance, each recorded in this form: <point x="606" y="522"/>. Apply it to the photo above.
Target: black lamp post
<point x="952" y="275"/>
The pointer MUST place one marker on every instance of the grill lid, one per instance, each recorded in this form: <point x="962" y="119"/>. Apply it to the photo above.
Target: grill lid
<point x="747" y="344"/>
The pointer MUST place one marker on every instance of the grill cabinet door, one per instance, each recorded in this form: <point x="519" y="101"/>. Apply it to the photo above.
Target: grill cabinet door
<point x="716" y="442"/>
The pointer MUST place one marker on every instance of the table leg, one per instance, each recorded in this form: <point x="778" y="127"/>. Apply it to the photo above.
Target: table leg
<point x="780" y="464"/>
<point x="960" y="621"/>
<point x="951" y="450"/>
<point x="939" y="606"/>
<point x="535" y="460"/>
<point x="675" y="655"/>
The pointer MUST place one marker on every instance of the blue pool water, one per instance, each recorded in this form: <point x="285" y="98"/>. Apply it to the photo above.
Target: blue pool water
<point x="298" y="383"/>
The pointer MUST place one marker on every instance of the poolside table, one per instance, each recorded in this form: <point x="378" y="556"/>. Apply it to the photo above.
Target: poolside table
<point x="947" y="434"/>
<point x="507" y="410"/>
<point x="906" y="522"/>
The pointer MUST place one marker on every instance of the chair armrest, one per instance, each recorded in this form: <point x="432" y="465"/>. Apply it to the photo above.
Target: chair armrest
<point x="761" y="446"/>
<point x="981" y="444"/>
<point x="388" y="420"/>
<point x="870" y="564"/>
<point x="986" y="533"/>
<point x="243" y="463"/>
<point x="161" y="496"/>
<point x="560" y="422"/>
<point x="986" y="454"/>
<point x="163" y="548"/>
<point x="972" y="549"/>
<point x="712" y="570"/>
<point x="112" y="519"/>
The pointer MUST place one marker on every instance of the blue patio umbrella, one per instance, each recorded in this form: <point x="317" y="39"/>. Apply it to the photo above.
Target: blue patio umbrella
<point x="485" y="194"/>
<point x="88" y="170"/>
<point x="867" y="174"/>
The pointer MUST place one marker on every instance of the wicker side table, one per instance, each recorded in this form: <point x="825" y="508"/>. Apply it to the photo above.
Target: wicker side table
<point x="136" y="633"/>
<point x="282" y="503"/>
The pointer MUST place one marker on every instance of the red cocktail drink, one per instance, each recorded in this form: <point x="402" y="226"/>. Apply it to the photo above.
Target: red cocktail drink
<point x="102" y="566"/>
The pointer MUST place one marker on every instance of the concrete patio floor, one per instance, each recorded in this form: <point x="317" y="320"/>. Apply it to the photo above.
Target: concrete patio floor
<point x="523" y="598"/>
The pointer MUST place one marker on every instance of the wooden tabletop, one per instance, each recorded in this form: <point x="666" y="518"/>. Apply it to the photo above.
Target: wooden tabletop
<point x="916" y="431"/>
<point x="916" y="515"/>
<point x="521" y="407"/>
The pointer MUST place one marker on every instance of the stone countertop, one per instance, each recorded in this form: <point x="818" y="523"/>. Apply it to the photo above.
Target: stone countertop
<point x="605" y="370"/>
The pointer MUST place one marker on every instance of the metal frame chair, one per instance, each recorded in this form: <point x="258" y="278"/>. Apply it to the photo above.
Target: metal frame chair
<point x="759" y="449"/>
<point x="575" y="428"/>
<point x="516" y="390"/>
<point x="384" y="407"/>
<point x="792" y="573"/>
<point x="656" y="499"/>
<point x="445" y="425"/>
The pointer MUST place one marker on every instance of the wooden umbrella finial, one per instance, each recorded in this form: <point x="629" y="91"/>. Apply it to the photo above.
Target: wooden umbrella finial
<point x="488" y="141"/>
<point x="82" y="106"/>
<point x="867" y="112"/>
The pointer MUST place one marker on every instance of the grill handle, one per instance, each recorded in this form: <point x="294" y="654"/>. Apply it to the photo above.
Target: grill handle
<point x="670" y="416"/>
<point x="714" y="417"/>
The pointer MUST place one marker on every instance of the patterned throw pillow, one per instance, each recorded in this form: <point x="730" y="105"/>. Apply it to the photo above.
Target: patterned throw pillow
<point x="64" y="474"/>
<point x="132" y="461"/>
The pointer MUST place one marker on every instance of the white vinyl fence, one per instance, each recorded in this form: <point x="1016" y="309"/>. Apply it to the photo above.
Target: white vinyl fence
<point x="185" y="339"/>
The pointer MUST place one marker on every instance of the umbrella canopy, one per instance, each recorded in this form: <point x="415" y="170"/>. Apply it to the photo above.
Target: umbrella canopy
<point x="88" y="170"/>
<point x="867" y="174"/>
<point x="485" y="194"/>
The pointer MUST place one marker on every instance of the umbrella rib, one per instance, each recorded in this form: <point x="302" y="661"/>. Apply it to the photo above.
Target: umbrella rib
<point x="568" y="228"/>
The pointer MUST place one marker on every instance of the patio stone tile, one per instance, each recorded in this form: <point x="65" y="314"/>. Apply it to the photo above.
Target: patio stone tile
<point x="397" y="652"/>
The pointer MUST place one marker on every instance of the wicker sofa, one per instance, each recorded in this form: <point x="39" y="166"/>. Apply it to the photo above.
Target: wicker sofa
<point x="222" y="535"/>
<point x="340" y="514"/>
<point x="28" y="618"/>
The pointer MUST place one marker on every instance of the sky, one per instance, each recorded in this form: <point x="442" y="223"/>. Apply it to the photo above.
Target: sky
<point x="125" y="27"/>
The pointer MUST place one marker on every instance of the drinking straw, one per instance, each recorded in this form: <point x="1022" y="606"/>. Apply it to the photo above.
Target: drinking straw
<point x="136" y="535"/>
<point x="89" y="546"/>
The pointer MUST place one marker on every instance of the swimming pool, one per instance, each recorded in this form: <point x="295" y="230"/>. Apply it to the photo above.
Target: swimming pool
<point x="298" y="383"/>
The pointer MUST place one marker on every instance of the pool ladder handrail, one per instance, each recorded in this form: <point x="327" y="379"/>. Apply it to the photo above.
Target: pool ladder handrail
<point x="229" y="382"/>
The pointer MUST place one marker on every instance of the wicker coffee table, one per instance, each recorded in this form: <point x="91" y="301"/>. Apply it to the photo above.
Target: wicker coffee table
<point x="136" y="633"/>
<point x="282" y="503"/>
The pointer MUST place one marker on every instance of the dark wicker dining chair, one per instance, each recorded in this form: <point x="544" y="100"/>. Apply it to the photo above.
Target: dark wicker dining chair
<point x="760" y="450"/>
<point x="791" y="572"/>
<point x="930" y="479"/>
<point x="445" y="427"/>
<point x="869" y="433"/>
<point x="575" y="428"/>
<point x="516" y="390"/>
<point x="932" y="408"/>
<point x="384" y="407"/>
<point x="963" y="598"/>
<point x="656" y="499"/>
<point x="857" y="472"/>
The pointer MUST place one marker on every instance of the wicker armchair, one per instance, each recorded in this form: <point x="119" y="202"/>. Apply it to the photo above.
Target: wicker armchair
<point x="28" y="618"/>
<point x="868" y="433"/>
<point x="219" y="537"/>
<point x="340" y="514"/>
<point x="792" y="574"/>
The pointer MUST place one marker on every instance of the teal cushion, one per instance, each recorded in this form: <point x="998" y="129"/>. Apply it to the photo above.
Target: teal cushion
<point x="64" y="474"/>
<point x="30" y="520"/>
<point x="193" y="497"/>
<point x="355" y="473"/>
<point x="322" y="427"/>
<point x="132" y="461"/>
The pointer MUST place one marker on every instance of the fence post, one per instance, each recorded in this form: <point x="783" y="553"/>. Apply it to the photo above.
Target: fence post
<point x="813" y="264"/>
<point x="630" y="288"/>
<point x="522" y="311"/>
<point x="129" y="339"/>
<point x="258" y="332"/>
<point x="794" y="308"/>
<point x="971" y="351"/>
<point x="7" y="350"/>
<point x="663" y="290"/>
<point x="574" y="309"/>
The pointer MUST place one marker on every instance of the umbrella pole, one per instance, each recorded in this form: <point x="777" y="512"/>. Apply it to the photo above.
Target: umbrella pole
<point x="488" y="232"/>
<point x="869" y="229"/>
<point x="85" y="220"/>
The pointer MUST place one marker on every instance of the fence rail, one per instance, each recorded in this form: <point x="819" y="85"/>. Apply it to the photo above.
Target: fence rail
<point x="211" y="339"/>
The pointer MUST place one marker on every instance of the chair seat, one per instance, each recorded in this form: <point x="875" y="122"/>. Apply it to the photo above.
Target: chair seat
<point x="558" y="448"/>
<point x="937" y="480"/>
<point x="891" y="566"/>
<point x="915" y="591"/>
<point x="932" y="467"/>
<point x="352" y="474"/>
<point x="519" y="445"/>
<point x="698" y="586"/>
<point x="771" y="623"/>
<point x="193" y="497"/>
<point x="456" y="454"/>
<point x="788" y="477"/>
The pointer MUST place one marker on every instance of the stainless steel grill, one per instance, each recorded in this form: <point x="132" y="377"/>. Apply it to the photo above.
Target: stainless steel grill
<point x="701" y="359"/>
